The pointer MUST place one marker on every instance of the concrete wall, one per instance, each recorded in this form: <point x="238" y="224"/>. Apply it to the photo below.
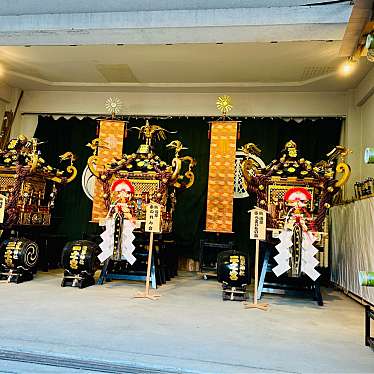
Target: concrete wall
<point x="367" y="123"/>
<point x="6" y="93"/>
<point x="2" y="109"/>
<point x="359" y="130"/>
<point x="200" y="104"/>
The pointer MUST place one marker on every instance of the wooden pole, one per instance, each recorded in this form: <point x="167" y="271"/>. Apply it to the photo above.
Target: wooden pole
<point x="262" y="306"/>
<point x="146" y="294"/>
<point x="150" y="249"/>
<point x="256" y="271"/>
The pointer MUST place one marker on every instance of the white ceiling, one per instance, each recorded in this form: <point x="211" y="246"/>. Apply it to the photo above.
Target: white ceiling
<point x="169" y="45"/>
<point x="20" y="7"/>
<point x="288" y="66"/>
<point x="97" y="22"/>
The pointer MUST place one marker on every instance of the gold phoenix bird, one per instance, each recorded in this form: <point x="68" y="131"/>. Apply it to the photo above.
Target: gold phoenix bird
<point x="148" y="131"/>
<point x="224" y="104"/>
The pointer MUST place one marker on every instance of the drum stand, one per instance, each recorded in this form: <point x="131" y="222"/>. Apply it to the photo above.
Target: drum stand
<point x="234" y="293"/>
<point x="81" y="280"/>
<point x="18" y="275"/>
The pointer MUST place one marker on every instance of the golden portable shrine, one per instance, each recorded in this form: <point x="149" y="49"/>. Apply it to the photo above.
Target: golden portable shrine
<point x="28" y="188"/>
<point x="127" y="185"/>
<point x="296" y="194"/>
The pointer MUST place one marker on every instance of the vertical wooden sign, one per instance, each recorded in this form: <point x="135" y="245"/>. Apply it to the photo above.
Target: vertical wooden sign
<point x="257" y="229"/>
<point x="221" y="176"/>
<point x="153" y="218"/>
<point x="111" y="133"/>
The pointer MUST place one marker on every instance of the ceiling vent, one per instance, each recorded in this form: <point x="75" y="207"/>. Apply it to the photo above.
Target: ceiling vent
<point x="117" y="73"/>
<point x="311" y="72"/>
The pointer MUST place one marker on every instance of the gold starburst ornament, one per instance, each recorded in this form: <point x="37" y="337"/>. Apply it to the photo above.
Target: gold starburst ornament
<point x="224" y="104"/>
<point x="113" y="105"/>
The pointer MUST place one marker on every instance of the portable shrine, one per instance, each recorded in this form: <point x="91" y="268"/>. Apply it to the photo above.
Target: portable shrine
<point x="297" y="195"/>
<point x="125" y="186"/>
<point x="28" y="188"/>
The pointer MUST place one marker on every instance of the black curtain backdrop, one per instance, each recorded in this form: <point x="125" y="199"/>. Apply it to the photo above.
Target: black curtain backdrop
<point x="73" y="209"/>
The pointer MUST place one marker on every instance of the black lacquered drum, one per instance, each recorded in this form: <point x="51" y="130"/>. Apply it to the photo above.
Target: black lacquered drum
<point x="19" y="252"/>
<point x="233" y="268"/>
<point x="80" y="255"/>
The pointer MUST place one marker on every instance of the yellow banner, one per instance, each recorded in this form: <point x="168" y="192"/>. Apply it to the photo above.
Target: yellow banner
<point x="221" y="176"/>
<point x="111" y="134"/>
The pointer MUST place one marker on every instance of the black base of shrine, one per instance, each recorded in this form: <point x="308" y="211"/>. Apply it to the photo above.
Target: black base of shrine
<point x="16" y="275"/>
<point x="81" y="280"/>
<point x="164" y="261"/>
<point x="302" y="286"/>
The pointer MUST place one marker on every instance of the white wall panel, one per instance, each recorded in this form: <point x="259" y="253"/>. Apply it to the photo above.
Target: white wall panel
<point x="199" y="104"/>
<point x="352" y="250"/>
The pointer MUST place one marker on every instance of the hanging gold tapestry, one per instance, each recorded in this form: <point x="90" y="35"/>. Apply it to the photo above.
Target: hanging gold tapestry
<point x="111" y="134"/>
<point x="221" y="176"/>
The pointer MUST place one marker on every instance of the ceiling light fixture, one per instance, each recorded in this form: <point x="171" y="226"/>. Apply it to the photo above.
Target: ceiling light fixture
<point x="347" y="67"/>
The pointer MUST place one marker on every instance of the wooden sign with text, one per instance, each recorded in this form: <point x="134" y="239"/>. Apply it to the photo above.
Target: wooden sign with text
<point x="153" y="217"/>
<point x="258" y="224"/>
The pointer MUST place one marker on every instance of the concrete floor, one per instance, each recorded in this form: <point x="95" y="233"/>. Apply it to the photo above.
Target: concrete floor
<point x="190" y="329"/>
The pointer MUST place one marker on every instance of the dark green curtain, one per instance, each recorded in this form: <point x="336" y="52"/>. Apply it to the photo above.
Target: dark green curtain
<point x="189" y="217"/>
<point x="73" y="210"/>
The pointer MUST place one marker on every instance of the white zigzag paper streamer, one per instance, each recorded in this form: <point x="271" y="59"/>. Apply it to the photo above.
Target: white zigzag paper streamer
<point x="308" y="251"/>
<point x="127" y="241"/>
<point x="107" y="245"/>
<point x="308" y="261"/>
<point x="127" y="237"/>
<point x="283" y="257"/>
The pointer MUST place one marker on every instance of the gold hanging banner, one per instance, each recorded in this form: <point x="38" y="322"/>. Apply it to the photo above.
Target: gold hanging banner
<point x="111" y="135"/>
<point x="221" y="176"/>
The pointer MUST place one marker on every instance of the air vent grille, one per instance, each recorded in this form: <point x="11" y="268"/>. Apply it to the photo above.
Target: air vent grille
<point x="316" y="71"/>
<point x="117" y="73"/>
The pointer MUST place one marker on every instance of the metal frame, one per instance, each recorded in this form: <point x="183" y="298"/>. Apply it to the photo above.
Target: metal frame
<point x="208" y="271"/>
<point x="284" y="289"/>
<point x="369" y="315"/>
<point x="105" y="276"/>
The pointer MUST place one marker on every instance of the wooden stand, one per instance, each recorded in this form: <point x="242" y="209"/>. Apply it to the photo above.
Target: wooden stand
<point x="146" y="294"/>
<point x="262" y="306"/>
